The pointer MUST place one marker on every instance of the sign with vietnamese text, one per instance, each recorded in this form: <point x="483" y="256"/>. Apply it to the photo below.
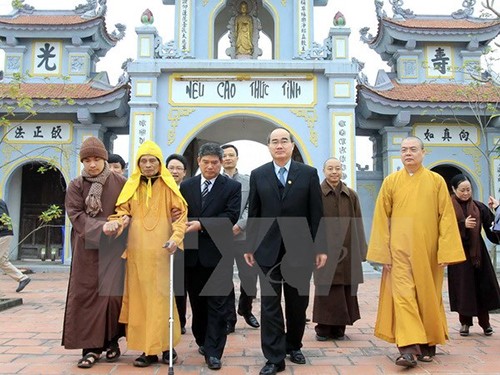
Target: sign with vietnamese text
<point x="249" y="90"/>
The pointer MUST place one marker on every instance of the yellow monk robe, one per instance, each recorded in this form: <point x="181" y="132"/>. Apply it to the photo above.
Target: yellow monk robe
<point x="145" y="306"/>
<point x="414" y="229"/>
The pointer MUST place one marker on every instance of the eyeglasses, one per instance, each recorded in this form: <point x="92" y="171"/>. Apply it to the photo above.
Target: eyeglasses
<point x="283" y="142"/>
<point x="175" y="168"/>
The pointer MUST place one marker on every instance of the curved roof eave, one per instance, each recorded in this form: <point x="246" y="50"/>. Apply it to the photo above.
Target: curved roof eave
<point x="46" y="104"/>
<point x="485" y="34"/>
<point x="387" y="29"/>
<point x="378" y="104"/>
<point x="93" y="26"/>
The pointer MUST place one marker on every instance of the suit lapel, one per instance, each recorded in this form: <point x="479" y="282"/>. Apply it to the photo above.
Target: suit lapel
<point x="270" y="174"/>
<point x="293" y="173"/>
<point x="197" y="192"/>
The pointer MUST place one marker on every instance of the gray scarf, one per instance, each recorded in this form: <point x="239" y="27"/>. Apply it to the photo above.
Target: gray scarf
<point x="93" y="203"/>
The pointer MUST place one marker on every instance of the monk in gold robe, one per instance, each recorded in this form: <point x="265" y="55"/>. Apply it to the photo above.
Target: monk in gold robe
<point x="148" y="197"/>
<point x="414" y="235"/>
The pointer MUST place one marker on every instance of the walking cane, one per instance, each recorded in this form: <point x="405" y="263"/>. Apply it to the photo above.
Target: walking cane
<point x="171" y="318"/>
<point x="171" y="314"/>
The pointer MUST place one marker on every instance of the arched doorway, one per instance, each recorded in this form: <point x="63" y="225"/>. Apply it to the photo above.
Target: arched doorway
<point x="38" y="192"/>
<point x="448" y="172"/>
<point x="233" y="128"/>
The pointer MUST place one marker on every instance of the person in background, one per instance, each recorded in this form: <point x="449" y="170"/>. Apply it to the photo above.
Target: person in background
<point x="472" y="285"/>
<point x="335" y="299"/>
<point x="248" y="276"/>
<point x="214" y="207"/>
<point x="117" y="164"/>
<point x="287" y="190"/>
<point x="148" y="198"/>
<point x="414" y="236"/>
<point x="177" y="166"/>
<point x="95" y="286"/>
<point x="6" y="234"/>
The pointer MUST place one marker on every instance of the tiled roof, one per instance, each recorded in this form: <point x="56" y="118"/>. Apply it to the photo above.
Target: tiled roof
<point x="56" y="91"/>
<point x="58" y="20"/>
<point x="434" y="92"/>
<point x="449" y="23"/>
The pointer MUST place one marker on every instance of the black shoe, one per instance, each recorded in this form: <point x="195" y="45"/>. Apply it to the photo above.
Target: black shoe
<point x="488" y="331"/>
<point x="229" y="328"/>
<point x="183" y="330"/>
<point x="201" y="350"/>
<point x="166" y="357"/>
<point x="464" y="330"/>
<point x="22" y="284"/>
<point x="213" y="363"/>
<point x="321" y="338"/>
<point x="297" y="357"/>
<point x="250" y="319"/>
<point x="272" y="369"/>
<point x="145" y="360"/>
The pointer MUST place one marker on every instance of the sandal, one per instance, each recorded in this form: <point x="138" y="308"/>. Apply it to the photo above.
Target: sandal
<point x="88" y="360"/>
<point x="113" y="353"/>
<point x="406" y="360"/>
<point x="145" y="360"/>
<point x="424" y="357"/>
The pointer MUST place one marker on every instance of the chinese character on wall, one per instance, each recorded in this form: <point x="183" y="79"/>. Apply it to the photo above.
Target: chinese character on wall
<point x="439" y="62"/>
<point x="47" y="58"/>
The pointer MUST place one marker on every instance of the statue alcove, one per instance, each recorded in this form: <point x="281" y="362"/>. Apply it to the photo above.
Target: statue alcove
<point x="263" y="22"/>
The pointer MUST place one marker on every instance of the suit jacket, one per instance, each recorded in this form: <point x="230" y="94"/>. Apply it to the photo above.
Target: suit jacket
<point x="244" y="180"/>
<point x="223" y="201"/>
<point x="301" y="200"/>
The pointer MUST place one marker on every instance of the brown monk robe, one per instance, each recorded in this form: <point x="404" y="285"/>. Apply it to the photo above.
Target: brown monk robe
<point x="96" y="279"/>
<point x="335" y="300"/>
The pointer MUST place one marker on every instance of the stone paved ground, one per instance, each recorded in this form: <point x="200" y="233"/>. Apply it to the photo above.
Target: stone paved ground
<point x="30" y="337"/>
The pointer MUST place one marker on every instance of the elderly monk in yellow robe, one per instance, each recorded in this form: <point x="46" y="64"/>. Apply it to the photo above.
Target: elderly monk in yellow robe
<point x="414" y="235"/>
<point x="148" y="197"/>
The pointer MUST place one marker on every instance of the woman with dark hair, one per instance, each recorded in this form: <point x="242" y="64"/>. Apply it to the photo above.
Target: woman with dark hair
<point x="472" y="285"/>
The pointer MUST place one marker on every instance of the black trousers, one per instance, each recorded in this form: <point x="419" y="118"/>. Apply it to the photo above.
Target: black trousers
<point x="248" y="287"/>
<point x="276" y="340"/>
<point x="180" y="287"/>
<point x="483" y="319"/>
<point x="209" y="309"/>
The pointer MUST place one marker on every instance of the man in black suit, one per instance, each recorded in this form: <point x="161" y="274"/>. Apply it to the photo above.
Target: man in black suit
<point x="213" y="208"/>
<point x="285" y="196"/>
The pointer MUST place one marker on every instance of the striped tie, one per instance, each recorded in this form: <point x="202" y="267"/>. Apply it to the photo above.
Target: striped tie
<point x="204" y="192"/>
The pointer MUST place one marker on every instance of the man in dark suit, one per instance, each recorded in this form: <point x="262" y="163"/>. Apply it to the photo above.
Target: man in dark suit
<point x="213" y="208"/>
<point x="286" y="197"/>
